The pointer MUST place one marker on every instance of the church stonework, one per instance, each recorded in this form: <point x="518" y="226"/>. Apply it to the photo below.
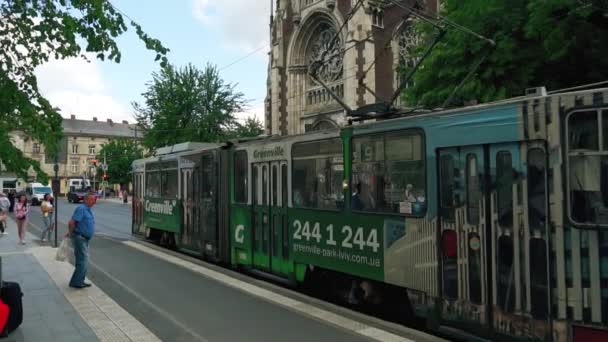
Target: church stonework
<point x="360" y="66"/>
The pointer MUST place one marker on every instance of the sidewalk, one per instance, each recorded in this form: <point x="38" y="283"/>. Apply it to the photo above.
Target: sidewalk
<point x="52" y="311"/>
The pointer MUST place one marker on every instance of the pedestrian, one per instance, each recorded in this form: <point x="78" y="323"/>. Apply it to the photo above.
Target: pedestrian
<point x="22" y="213"/>
<point x="11" y="198"/>
<point x="81" y="230"/>
<point x="46" y="207"/>
<point x="5" y="204"/>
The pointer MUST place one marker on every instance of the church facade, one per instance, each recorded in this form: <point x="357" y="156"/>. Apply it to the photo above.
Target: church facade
<point x="359" y="46"/>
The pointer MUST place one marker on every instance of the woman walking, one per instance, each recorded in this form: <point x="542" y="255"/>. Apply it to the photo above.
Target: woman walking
<point x="47" y="217"/>
<point x="22" y="212"/>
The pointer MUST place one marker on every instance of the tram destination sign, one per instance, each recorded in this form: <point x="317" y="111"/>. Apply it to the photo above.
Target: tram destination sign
<point x="273" y="153"/>
<point x="163" y="214"/>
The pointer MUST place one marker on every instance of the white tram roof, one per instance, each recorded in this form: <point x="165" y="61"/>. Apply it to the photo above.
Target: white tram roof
<point x="172" y="152"/>
<point x="185" y="147"/>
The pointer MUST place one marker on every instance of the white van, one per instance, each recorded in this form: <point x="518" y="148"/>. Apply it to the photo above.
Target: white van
<point x="78" y="183"/>
<point x="35" y="192"/>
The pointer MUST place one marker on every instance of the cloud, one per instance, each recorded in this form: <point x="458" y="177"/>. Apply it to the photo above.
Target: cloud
<point x="77" y="87"/>
<point x="255" y="109"/>
<point x="242" y="23"/>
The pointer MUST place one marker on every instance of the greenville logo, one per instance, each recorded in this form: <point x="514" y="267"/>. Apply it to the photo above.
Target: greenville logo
<point x="164" y="208"/>
<point x="275" y="152"/>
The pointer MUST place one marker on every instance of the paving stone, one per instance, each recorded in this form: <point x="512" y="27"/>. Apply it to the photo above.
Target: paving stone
<point x="47" y="314"/>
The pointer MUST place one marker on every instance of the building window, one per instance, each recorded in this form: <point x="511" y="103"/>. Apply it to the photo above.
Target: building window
<point x="74" y="166"/>
<point x="36" y="148"/>
<point x="92" y="149"/>
<point x="588" y="166"/>
<point x="378" y="17"/>
<point x="328" y="53"/>
<point x="389" y="173"/>
<point x="74" y="149"/>
<point x="318" y="171"/>
<point x="408" y="41"/>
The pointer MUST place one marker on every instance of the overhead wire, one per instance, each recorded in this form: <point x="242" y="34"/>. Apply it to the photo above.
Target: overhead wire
<point x="383" y="51"/>
<point x="298" y="94"/>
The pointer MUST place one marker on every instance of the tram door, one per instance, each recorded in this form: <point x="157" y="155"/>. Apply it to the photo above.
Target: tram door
<point x="190" y="184"/>
<point x="493" y="262"/>
<point x="138" y="203"/>
<point x="269" y="212"/>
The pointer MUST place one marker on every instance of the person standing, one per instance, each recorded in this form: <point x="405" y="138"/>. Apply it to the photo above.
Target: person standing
<point x="5" y="204"/>
<point x="11" y="198"/>
<point x="22" y="213"/>
<point x="81" y="230"/>
<point x="46" y="207"/>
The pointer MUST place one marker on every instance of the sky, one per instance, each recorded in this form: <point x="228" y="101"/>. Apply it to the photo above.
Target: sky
<point x="220" y="32"/>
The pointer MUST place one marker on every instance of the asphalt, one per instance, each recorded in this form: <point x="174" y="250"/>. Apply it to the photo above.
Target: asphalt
<point x="178" y="304"/>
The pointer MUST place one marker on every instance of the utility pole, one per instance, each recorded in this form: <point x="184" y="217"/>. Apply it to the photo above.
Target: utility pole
<point x="105" y="169"/>
<point x="56" y="189"/>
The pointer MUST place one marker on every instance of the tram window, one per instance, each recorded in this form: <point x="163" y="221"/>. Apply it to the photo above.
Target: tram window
<point x="588" y="167"/>
<point x="240" y="177"/>
<point x="605" y="128"/>
<point x="446" y="169"/>
<point x="284" y="185"/>
<point x="264" y="185"/>
<point x="583" y="131"/>
<point x="169" y="184"/>
<point x="389" y="173"/>
<point x="505" y="275"/>
<point x="504" y="188"/>
<point x="318" y="171"/>
<point x="208" y="178"/>
<point x="254" y="184"/>
<point x="473" y="190"/>
<point x="153" y="184"/>
<point x="536" y="189"/>
<point x="275" y="186"/>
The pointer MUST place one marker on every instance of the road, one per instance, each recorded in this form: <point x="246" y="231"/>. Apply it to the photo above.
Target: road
<point x="178" y="304"/>
<point x="111" y="218"/>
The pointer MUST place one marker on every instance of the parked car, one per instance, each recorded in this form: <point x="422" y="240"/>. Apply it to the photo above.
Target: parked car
<point x="77" y="195"/>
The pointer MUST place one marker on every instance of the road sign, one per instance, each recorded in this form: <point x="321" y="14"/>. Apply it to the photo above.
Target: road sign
<point x="104" y="167"/>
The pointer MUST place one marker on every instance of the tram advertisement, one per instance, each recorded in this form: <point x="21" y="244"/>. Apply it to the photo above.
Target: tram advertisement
<point x="339" y="243"/>
<point x="163" y="214"/>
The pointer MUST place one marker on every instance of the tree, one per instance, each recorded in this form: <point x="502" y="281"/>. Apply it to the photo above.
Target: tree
<point x="31" y="33"/>
<point x="119" y="155"/>
<point x="188" y="104"/>
<point x="252" y="127"/>
<point x="558" y="44"/>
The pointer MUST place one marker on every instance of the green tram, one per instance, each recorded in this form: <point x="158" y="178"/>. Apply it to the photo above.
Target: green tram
<point x="491" y="219"/>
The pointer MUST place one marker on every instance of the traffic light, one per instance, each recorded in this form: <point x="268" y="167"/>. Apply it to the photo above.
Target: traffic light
<point x="105" y="176"/>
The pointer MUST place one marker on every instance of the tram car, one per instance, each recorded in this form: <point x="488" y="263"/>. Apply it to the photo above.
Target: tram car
<point x="490" y="220"/>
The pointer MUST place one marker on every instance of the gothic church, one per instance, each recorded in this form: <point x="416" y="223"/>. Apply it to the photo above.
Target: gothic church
<point x="359" y="63"/>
